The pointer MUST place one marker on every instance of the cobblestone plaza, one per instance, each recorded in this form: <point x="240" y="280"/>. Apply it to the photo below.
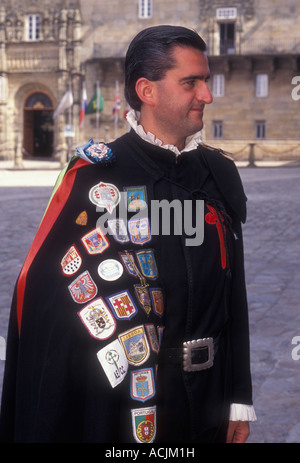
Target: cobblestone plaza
<point x="272" y="249"/>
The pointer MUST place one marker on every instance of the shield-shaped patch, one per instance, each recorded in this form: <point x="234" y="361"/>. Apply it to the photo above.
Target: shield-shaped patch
<point x="135" y="345"/>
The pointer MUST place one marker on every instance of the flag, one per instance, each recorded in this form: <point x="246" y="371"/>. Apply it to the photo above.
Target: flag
<point x="116" y="108"/>
<point x="96" y="103"/>
<point x="126" y="111"/>
<point x="83" y="105"/>
<point x="66" y="102"/>
<point x="117" y="101"/>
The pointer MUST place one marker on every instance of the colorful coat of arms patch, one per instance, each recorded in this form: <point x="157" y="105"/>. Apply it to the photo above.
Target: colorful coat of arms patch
<point x="139" y="230"/>
<point x="152" y="337"/>
<point x="105" y="195"/>
<point x="157" y="299"/>
<point x="98" y="319"/>
<point x="136" y="198"/>
<point x="122" y="305"/>
<point x="147" y="263"/>
<point x="142" y="293"/>
<point x="142" y="385"/>
<point x="135" y="345"/>
<point x="95" y="241"/>
<point x="83" y="288"/>
<point x="71" y="261"/>
<point x="129" y="263"/>
<point x="144" y="424"/>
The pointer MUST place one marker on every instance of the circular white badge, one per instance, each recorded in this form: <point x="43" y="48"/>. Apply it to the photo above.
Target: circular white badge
<point x="110" y="270"/>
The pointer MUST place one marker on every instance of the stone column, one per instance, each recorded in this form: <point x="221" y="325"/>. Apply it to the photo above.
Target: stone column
<point x="76" y="72"/>
<point x="3" y="86"/>
<point x="62" y="81"/>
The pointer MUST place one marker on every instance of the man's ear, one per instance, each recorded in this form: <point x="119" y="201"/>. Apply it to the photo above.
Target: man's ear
<point x="145" y="90"/>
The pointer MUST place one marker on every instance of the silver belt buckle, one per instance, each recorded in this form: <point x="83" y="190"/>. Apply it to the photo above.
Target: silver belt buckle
<point x="189" y="346"/>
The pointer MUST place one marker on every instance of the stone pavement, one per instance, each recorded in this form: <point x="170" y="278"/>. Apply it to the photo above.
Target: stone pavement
<point x="272" y="249"/>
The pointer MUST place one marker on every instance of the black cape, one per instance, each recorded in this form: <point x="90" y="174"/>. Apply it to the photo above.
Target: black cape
<point x="93" y="313"/>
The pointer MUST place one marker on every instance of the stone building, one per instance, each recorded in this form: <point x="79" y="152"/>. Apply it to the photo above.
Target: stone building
<point x="40" y="43"/>
<point x="48" y="47"/>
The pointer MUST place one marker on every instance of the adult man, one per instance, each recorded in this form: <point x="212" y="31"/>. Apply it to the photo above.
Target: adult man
<point x="120" y="334"/>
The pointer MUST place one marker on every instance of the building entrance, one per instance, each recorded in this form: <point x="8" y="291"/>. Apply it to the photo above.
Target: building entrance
<point x="38" y="130"/>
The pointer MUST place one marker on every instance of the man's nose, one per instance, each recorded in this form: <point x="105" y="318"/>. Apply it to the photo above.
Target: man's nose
<point x="204" y="94"/>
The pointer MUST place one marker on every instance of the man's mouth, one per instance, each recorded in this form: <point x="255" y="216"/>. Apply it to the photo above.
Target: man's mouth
<point x="199" y="109"/>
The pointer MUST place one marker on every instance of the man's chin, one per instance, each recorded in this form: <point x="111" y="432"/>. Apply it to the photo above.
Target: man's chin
<point x="196" y="127"/>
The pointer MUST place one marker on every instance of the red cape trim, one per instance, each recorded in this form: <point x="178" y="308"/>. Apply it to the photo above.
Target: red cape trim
<point x="53" y="211"/>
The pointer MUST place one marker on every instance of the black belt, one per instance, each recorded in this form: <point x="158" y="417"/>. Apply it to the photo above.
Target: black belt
<point x="194" y="355"/>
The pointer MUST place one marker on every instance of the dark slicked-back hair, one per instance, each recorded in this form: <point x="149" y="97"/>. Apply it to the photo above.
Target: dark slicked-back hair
<point x="150" y="55"/>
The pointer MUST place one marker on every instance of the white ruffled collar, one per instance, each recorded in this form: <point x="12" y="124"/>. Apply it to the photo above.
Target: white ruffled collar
<point x="191" y="142"/>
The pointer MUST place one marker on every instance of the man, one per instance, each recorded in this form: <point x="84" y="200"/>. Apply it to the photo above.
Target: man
<point x="128" y="325"/>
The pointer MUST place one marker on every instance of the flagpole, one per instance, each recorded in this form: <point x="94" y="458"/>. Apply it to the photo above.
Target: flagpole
<point x="83" y="124"/>
<point x="98" y="110"/>
<point x="116" y="115"/>
<point x="83" y="109"/>
<point x="69" y="123"/>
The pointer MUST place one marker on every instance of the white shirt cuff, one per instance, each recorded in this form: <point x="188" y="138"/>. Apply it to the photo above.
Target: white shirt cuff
<point x="241" y="412"/>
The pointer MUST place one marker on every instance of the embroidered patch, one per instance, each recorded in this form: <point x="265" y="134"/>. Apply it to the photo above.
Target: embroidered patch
<point x="71" y="261"/>
<point x="142" y="385"/>
<point x="136" y="198"/>
<point x="99" y="152"/>
<point x="105" y="195"/>
<point x="110" y="270"/>
<point x="142" y="294"/>
<point x="95" y="241"/>
<point x="122" y="305"/>
<point x="160" y="331"/>
<point x="129" y="263"/>
<point x="139" y="230"/>
<point x="157" y="299"/>
<point x="98" y="319"/>
<point x="114" y="362"/>
<point x="147" y="263"/>
<point x="96" y="153"/>
<point x="82" y="219"/>
<point x="135" y="345"/>
<point x="144" y="424"/>
<point x="83" y="288"/>
<point x="118" y="230"/>
<point x="152" y="337"/>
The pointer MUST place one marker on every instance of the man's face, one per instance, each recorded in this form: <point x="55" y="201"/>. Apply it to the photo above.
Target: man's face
<point x="182" y="95"/>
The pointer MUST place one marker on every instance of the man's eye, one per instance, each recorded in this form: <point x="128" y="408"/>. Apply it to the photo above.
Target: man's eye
<point x="190" y="83"/>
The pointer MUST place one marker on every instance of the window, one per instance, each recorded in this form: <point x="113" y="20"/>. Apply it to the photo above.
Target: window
<point x="145" y="9"/>
<point x="226" y="13"/>
<point x="2" y="88"/>
<point x="227" y="38"/>
<point x="260" y="130"/>
<point x="262" y="85"/>
<point x="217" y="129"/>
<point x="218" y="85"/>
<point x="33" y="23"/>
<point x="38" y="100"/>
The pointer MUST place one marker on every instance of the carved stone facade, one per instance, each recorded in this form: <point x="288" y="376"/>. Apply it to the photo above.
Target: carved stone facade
<point x="49" y="46"/>
<point x="40" y="43"/>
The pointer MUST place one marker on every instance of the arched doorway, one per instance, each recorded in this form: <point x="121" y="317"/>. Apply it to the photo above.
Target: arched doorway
<point x="38" y="130"/>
